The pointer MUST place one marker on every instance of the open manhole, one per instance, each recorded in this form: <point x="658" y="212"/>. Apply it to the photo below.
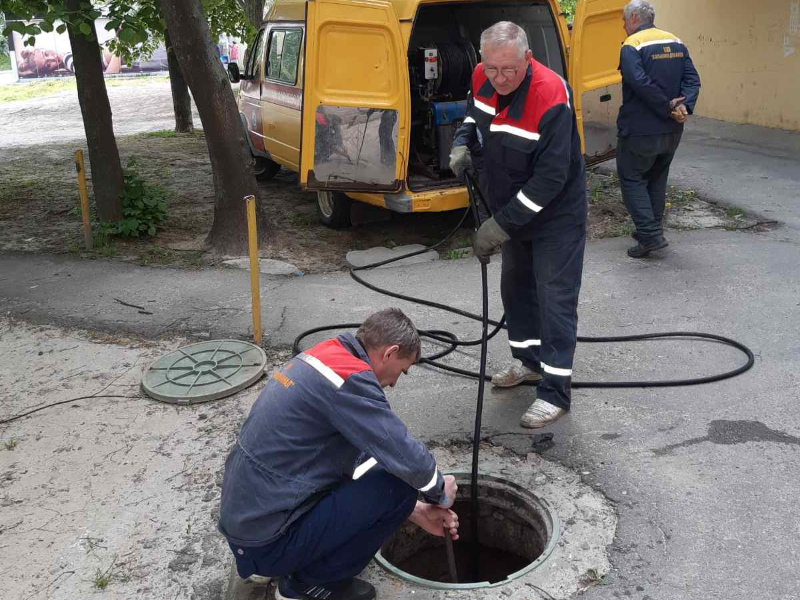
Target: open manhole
<point x="517" y="531"/>
<point x="204" y="371"/>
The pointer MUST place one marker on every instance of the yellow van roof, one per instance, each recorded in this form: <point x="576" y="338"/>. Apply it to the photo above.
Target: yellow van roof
<point x="295" y="10"/>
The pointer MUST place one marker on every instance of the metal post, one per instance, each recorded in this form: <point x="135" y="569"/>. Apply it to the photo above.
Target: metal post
<point x="255" y="289"/>
<point x="87" y="226"/>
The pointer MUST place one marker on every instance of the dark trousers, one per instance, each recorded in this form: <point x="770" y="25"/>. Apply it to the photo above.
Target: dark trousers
<point x="338" y="537"/>
<point x="643" y="167"/>
<point x="539" y="285"/>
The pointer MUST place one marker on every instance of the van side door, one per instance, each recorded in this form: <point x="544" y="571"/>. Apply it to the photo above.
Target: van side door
<point x="355" y="98"/>
<point x="250" y="94"/>
<point x="597" y="36"/>
<point x="281" y="95"/>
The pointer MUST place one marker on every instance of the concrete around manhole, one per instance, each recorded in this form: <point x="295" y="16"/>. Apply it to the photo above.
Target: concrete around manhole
<point x="587" y="522"/>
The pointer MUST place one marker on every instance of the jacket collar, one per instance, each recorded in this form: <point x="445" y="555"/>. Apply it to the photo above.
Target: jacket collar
<point x="353" y="346"/>
<point x="643" y="27"/>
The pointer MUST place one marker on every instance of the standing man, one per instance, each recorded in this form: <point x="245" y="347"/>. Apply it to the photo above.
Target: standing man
<point x="533" y="172"/>
<point x="323" y="471"/>
<point x="659" y="90"/>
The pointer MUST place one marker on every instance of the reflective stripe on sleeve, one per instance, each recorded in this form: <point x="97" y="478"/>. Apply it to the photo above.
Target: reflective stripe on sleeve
<point x="364" y="467"/>
<point x="484" y="107"/>
<point x="657" y="42"/>
<point x="432" y="482"/>
<point x="528" y="203"/>
<point x="556" y="371"/>
<point x="322" y="368"/>
<point x="528" y="135"/>
<point x="468" y="120"/>
<point x="525" y="344"/>
<point x="566" y="91"/>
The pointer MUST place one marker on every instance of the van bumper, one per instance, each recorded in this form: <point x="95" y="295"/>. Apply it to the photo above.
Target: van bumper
<point x="408" y="202"/>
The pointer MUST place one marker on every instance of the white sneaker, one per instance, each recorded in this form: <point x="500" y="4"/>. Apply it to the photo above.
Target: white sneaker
<point x="514" y="374"/>
<point x="541" y="413"/>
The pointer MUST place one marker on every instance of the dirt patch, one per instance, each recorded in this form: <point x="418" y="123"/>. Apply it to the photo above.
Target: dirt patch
<point x="112" y="494"/>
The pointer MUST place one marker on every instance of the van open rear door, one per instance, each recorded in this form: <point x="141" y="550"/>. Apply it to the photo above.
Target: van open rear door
<point x="355" y="100"/>
<point x="597" y="36"/>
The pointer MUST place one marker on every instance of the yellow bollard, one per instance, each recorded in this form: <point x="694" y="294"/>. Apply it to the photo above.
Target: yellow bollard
<point x="87" y="226"/>
<point x="255" y="289"/>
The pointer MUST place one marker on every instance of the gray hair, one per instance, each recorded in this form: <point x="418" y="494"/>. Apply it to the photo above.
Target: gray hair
<point x="388" y="327"/>
<point x="503" y="34"/>
<point x="643" y="10"/>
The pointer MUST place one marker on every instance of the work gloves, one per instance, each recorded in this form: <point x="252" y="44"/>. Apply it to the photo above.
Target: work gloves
<point x="488" y="237"/>
<point x="460" y="161"/>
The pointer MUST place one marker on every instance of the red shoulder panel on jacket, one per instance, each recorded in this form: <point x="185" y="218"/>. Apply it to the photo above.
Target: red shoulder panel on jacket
<point x="335" y="356"/>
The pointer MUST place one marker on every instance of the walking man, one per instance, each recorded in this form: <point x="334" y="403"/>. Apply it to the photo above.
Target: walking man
<point x="659" y="90"/>
<point x="533" y="172"/>
<point x="323" y="471"/>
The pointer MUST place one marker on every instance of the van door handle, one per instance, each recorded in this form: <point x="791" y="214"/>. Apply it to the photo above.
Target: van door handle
<point x="605" y="97"/>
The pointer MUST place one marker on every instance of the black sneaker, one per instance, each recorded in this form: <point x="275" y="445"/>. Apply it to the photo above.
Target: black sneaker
<point x="641" y="250"/>
<point x="289" y="589"/>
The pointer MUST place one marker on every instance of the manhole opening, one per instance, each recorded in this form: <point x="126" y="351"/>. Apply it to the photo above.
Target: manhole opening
<point x="516" y="531"/>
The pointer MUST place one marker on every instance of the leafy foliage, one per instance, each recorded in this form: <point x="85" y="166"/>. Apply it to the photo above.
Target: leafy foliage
<point x="568" y="8"/>
<point x="3" y="42"/>
<point x="144" y="205"/>
<point x="49" y="11"/>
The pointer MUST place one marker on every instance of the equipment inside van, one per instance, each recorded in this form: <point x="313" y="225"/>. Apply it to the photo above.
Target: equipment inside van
<point x="362" y="97"/>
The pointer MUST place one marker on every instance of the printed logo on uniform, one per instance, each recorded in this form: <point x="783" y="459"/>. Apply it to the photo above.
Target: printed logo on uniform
<point x="667" y="49"/>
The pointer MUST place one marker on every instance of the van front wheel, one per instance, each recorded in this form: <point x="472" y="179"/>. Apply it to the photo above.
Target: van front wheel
<point x="334" y="209"/>
<point x="264" y="168"/>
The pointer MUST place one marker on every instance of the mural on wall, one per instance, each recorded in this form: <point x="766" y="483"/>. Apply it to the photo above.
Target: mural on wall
<point x="792" y="37"/>
<point x="51" y="56"/>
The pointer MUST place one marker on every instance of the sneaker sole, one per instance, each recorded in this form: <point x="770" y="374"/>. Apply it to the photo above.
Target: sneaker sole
<point x="538" y="424"/>
<point x="518" y="381"/>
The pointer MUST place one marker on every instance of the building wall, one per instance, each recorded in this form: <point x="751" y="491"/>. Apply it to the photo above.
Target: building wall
<point x="747" y="54"/>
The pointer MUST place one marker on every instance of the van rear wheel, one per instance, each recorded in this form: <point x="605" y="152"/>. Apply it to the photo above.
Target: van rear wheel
<point x="264" y="168"/>
<point x="334" y="209"/>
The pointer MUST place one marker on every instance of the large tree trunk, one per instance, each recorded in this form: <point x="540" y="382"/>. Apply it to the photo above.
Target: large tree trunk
<point x="96" y="111"/>
<point x="227" y="147"/>
<point x="181" y="100"/>
<point x="253" y="11"/>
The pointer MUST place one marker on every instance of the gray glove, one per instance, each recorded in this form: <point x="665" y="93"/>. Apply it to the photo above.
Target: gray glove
<point x="488" y="237"/>
<point x="460" y="160"/>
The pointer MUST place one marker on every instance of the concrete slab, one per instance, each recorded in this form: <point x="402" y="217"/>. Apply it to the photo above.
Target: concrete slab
<point x="267" y="266"/>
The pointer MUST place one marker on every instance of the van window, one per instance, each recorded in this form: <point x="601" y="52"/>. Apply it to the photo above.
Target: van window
<point x="284" y="52"/>
<point x="256" y="57"/>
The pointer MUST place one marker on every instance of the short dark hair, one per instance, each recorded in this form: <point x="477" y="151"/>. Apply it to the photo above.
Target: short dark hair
<point x="388" y="327"/>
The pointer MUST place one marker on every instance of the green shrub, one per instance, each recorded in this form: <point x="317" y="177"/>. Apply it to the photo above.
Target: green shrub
<point x="144" y="205"/>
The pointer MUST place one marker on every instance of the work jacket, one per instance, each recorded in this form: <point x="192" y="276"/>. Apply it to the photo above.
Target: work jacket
<point x="321" y="420"/>
<point x="656" y="68"/>
<point x="532" y="165"/>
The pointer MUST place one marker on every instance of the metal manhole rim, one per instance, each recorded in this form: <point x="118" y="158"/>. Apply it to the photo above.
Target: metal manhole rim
<point x="185" y="400"/>
<point x="546" y="552"/>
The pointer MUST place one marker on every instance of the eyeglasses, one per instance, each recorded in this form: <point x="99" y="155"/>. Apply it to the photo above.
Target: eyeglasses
<point x="508" y="72"/>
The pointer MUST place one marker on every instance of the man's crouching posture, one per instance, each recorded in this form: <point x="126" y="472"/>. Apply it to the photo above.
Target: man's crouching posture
<point x="323" y="471"/>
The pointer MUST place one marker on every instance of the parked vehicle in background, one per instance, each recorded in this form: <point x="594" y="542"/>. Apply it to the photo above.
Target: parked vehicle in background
<point x="363" y="99"/>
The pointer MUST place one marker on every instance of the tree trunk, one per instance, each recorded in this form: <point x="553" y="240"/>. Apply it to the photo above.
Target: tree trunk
<point x="96" y="112"/>
<point x="227" y="146"/>
<point x="181" y="100"/>
<point x="253" y="11"/>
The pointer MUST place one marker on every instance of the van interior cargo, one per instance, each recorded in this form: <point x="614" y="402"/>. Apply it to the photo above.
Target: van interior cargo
<point x="442" y="52"/>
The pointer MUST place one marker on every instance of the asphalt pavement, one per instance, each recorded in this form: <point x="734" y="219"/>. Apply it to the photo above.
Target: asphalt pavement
<point x="704" y="478"/>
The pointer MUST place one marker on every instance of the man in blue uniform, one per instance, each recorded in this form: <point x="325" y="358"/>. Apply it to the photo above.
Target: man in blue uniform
<point x="323" y="471"/>
<point x="659" y="90"/>
<point x="522" y="115"/>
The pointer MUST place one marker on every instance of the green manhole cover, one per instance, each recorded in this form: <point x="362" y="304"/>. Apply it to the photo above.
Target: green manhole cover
<point x="204" y="372"/>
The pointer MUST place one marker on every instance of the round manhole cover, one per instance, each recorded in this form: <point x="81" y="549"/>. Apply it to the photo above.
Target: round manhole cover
<point x="203" y="372"/>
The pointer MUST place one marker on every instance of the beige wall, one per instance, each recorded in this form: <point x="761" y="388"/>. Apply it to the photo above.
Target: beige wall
<point x="747" y="54"/>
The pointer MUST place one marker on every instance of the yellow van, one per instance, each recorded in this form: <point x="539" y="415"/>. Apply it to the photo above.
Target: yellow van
<point x="362" y="97"/>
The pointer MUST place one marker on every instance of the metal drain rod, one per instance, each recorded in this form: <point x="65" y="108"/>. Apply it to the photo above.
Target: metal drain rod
<point x="474" y="558"/>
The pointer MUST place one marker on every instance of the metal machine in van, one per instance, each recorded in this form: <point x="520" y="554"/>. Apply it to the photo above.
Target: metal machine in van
<point x="362" y="97"/>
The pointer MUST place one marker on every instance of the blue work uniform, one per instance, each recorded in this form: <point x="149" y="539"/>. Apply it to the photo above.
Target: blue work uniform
<point x="533" y="172"/>
<point x="656" y="67"/>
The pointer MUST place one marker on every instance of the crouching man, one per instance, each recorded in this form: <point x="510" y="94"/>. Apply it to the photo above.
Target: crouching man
<point x="323" y="471"/>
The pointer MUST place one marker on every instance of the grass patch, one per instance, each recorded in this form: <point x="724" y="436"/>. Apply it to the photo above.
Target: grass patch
<point x="734" y="213"/>
<point x="26" y="90"/>
<point x="10" y="444"/>
<point x="303" y="219"/>
<point x="5" y="62"/>
<point x="162" y="133"/>
<point x="156" y="256"/>
<point x="455" y="254"/>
